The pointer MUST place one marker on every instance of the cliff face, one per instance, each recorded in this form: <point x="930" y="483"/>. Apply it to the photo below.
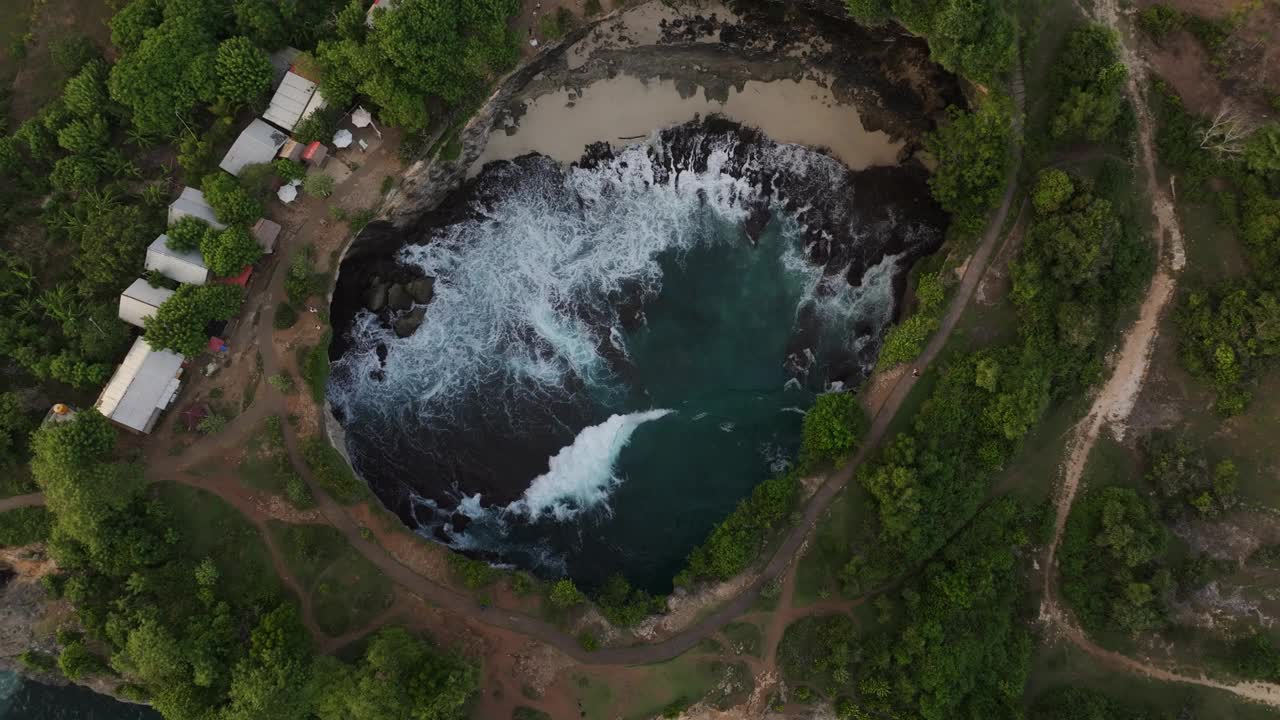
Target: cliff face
<point x="884" y="71"/>
<point x="28" y="617"/>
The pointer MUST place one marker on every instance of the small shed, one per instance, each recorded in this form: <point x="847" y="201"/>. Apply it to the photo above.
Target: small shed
<point x="291" y="150"/>
<point x="191" y="203"/>
<point x="266" y="232"/>
<point x="315" y="154"/>
<point x="257" y="143"/>
<point x="184" y="266"/>
<point x="140" y="301"/>
<point x="142" y="387"/>
<point x="295" y="100"/>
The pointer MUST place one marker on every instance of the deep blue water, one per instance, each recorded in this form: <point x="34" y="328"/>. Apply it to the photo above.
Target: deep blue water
<point x="21" y="699"/>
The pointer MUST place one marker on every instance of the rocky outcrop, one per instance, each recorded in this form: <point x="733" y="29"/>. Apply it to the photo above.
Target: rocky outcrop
<point x="398" y="298"/>
<point x="409" y="323"/>
<point x="421" y="289"/>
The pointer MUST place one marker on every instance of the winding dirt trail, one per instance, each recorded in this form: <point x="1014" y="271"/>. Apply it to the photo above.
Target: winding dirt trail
<point x="1113" y="404"/>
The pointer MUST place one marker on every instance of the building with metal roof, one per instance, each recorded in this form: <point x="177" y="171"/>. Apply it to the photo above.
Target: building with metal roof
<point x="257" y="144"/>
<point x="191" y="203"/>
<point x="140" y="301"/>
<point x="295" y="99"/>
<point x="142" y="387"/>
<point x="185" y="266"/>
<point x="266" y="232"/>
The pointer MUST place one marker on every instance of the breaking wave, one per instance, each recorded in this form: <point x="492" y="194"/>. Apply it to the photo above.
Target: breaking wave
<point x="522" y="386"/>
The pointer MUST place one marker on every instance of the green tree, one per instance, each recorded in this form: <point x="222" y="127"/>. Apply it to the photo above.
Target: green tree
<point x="1262" y="153"/>
<point x="85" y="94"/>
<point x="187" y="234"/>
<point x="244" y="71"/>
<point x="112" y="244"/>
<point x="167" y="76"/>
<point x="179" y="323"/>
<point x="973" y="156"/>
<point x="130" y="23"/>
<point x="85" y="136"/>
<point x="261" y="22"/>
<point x="228" y="252"/>
<point x="833" y="427"/>
<point x="232" y="204"/>
<point x="1053" y="188"/>
<point x="399" y="677"/>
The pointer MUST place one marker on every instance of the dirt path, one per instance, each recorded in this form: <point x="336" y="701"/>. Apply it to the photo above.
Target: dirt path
<point x="21" y="501"/>
<point x="1112" y="406"/>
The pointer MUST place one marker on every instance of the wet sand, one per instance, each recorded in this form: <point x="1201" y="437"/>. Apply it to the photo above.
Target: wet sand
<point x="625" y="109"/>
<point x="658" y="65"/>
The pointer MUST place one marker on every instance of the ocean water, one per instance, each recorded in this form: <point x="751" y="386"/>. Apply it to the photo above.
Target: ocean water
<point x="616" y="354"/>
<point x="22" y="699"/>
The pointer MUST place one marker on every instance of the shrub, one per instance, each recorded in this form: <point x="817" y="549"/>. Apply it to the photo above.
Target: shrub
<point x="553" y="26"/>
<point x="318" y="126"/>
<point x="564" y="594"/>
<point x="37" y="662"/>
<point x="905" y="341"/>
<point x="77" y="662"/>
<point x="332" y="471"/>
<point x="300" y="283"/>
<point x="1160" y="20"/>
<point x="587" y="641"/>
<point x="285" y="316"/>
<point x="592" y="8"/>
<point x="737" y="540"/>
<point x="317" y="184"/>
<point x="24" y="526"/>
<point x="474" y="574"/>
<point x="283" y="382"/>
<point x="212" y="424"/>
<point x="288" y="170"/>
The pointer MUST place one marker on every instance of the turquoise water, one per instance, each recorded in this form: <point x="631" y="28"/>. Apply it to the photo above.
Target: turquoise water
<point x="21" y="699"/>
<point x="616" y="354"/>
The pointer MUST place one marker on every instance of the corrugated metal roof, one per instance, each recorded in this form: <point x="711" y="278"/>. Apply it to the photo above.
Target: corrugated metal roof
<point x="146" y="381"/>
<point x="191" y="202"/>
<point x="290" y="102"/>
<point x="160" y="246"/>
<point x="142" y="291"/>
<point x="257" y="143"/>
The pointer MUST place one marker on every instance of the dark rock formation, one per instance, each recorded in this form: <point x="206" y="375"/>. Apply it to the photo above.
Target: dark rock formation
<point x="408" y="323"/>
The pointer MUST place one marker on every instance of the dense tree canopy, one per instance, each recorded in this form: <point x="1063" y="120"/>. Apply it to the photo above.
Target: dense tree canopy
<point x="425" y="51"/>
<point x="244" y="71"/>
<point x="972" y="150"/>
<point x="974" y="38"/>
<point x="230" y="251"/>
<point x="179" y="323"/>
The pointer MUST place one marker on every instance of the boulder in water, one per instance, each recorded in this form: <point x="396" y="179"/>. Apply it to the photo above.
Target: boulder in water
<point x="408" y="324"/>
<point x="398" y="298"/>
<point x="422" y="289"/>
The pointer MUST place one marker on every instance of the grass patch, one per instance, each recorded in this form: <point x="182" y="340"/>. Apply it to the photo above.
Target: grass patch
<point x="24" y="526"/>
<point x="554" y="26"/>
<point x="17" y="481"/>
<point x="313" y="366"/>
<point x="347" y="591"/>
<point x="266" y="466"/>
<point x="669" y="686"/>
<point x="744" y="638"/>
<point x="332" y="471"/>
<point x="816" y="651"/>
<point x="211" y="528"/>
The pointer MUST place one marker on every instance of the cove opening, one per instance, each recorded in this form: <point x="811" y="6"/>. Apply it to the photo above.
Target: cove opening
<point x="612" y="355"/>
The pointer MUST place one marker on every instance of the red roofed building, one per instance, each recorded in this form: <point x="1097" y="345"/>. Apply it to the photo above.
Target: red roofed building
<point x="242" y="279"/>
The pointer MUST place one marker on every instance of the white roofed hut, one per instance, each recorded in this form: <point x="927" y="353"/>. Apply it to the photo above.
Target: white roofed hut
<point x="266" y="232"/>
<point x="140" y="301"/>
<point x="185" y="266"/>
<point x="257" y="144"/>
<point x="191" y="204"/>
<point x="142" y="387"/>
<point x="294" y="101"/>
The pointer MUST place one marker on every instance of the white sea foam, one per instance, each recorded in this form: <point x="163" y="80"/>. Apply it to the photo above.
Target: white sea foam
<point x="582" y="474"/>
<point x="527" y="293"/>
